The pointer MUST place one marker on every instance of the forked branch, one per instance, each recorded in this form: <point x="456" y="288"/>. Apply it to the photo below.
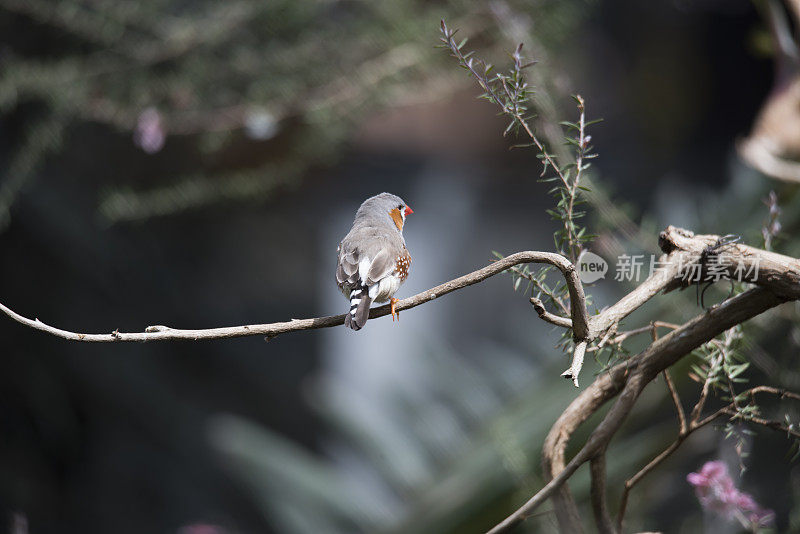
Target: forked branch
<point x="625" y="380"/>
<point x="779" y="280"/>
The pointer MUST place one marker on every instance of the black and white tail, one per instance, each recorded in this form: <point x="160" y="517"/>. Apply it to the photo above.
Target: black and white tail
<point x="359" y="308"/>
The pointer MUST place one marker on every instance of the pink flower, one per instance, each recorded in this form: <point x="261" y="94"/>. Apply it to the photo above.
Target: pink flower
<point x="149" y="134"/>
<point x="717" y="492"/>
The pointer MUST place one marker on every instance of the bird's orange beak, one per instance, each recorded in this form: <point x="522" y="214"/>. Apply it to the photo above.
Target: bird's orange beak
<point x="408" y="211"/>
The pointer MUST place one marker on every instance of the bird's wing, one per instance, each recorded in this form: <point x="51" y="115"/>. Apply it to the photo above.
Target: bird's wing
<point x="382" y="265"/>
<point x="365" y="257"/>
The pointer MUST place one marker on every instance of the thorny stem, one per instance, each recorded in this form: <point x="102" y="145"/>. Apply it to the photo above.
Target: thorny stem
<point x="573" y="245"/>
<point x="469" y="63"/>
<point x="511" y="107"/>
<point x="625" y="380"/>
<point x="509" y="93"/>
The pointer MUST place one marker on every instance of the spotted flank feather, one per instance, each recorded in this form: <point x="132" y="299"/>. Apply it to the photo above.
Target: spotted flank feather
<point x="402" y="265"/>
<point x="359" y="308"/>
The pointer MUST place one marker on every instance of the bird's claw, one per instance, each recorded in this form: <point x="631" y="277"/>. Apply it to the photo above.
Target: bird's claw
<point x="395" y="314"/>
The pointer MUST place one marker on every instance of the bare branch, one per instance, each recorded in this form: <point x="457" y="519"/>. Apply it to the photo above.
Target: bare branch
<point x="659" y="281"/>
<point x="732" y="410"/>
<point x="546" y="316"/>
<point x="627" y="379"/>
<point x="577" y="362"/>
<point x="695" y="424"/>
<point x="622" y="336"/>
<point x="774" y="271"/>
<point x="597" y="468"/>
<point x="676" y="400"/>
<point x="631" y="482"/>
<point x="161" y="333"/>
<point x="779" y="273"/>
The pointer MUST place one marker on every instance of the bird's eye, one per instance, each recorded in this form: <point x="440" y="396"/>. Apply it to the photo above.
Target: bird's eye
<point x="400" y="207"/>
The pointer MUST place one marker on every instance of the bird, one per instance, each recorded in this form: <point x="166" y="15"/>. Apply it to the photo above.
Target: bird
<point x="373" y="260"/>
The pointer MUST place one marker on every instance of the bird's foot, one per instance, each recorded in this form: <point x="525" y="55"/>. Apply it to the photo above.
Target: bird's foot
<point x="395" y="314"/>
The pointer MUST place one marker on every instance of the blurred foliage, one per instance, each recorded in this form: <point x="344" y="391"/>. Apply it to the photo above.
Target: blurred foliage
<point x="222" y="75"/>
<point x="252" y="95"/>
<point x="425" y="479"/>
<point x="457" y="481"/>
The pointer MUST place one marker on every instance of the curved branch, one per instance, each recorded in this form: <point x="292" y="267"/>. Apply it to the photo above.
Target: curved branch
<point x="779" y="278"/>
<point x="626" y="379"/>
<point x="162" y="333"/>
<point x="602" y="519"/>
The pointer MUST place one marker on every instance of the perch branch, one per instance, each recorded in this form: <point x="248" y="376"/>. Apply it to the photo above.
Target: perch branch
<point x="161" y="333"/>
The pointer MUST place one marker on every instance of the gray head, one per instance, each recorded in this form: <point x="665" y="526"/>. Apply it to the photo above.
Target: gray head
<point x="384" y="208"/>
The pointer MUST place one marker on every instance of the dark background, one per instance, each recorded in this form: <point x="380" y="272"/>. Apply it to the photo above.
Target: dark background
<point x="430" y="425"/>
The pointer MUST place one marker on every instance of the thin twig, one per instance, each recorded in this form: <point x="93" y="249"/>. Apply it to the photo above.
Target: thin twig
<point x="622" y="336"/>
<point x="574" y="245"/>
<point x="468" y="64"/>
<point x="733" y="411"/>
<point x="686" y="429"/>
<point x="682" y="432"/>
<point x="546" y="316"/>
<point x="698" y="408"/>
<point x="631" y="482"/>
<point x="676" y="400"/>
<point x="627" y="379"/>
